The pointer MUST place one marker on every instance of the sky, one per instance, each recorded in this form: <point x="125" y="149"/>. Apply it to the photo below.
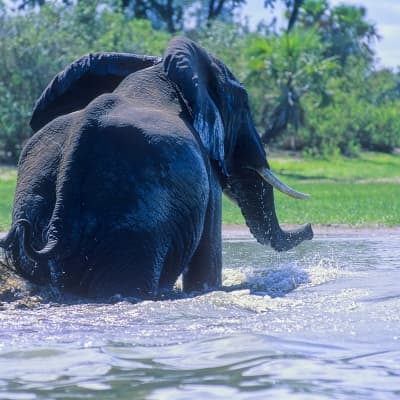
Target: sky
<point x="385" y="14"/>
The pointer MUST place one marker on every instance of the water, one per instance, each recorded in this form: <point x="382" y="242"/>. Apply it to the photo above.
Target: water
<point x="319" y="322"/>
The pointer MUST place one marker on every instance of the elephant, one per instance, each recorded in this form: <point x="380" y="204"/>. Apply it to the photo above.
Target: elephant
<point x="119" y="189"/>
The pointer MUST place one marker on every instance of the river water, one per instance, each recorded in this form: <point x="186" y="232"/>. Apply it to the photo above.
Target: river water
<point x="319" y="322"/>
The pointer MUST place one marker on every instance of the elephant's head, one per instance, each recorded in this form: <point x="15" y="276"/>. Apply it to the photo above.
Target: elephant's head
<point x="222" y="119"/>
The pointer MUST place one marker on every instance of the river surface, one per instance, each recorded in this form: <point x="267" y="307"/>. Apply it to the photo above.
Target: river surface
<point x="319" y="322"/>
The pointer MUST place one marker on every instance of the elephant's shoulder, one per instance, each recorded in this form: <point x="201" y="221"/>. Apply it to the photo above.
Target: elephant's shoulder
<point x="103" y="105"/>
<point x="113" y="112"/>
<point x="117" y="107"/>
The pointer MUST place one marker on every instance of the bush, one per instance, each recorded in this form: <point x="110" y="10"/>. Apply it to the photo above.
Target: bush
<point x="35" y="45"/>
<point x="382" y="128"/>
<point x="349" y="126"/>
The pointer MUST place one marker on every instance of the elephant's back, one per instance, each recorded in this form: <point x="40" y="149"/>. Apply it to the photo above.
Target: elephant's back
<point x="138" y="176"/>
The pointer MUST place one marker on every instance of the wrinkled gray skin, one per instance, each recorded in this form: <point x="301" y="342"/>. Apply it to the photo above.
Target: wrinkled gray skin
<point x="121" y="192"/>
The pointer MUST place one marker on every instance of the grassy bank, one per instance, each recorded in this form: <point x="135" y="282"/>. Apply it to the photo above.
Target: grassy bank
<point x="7" y="187"/>
<point x="364" y="204"/>
<point x="358" y="192"/>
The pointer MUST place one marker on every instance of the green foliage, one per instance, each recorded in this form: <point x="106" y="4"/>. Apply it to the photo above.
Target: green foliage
<point x="321" y="94"/>
<point x="294" y="63"/>
<point x="316" y="89"/>
<point x="35" y="45"/>
<point x="381" y="130"/>
<point x="343" y="28"/>
<point x="351" y="126"/>
<point x="119" y="33"/>
<point x="363" y="115"/>
<point x="32" y="49"/>
<point x="313" y="88"/>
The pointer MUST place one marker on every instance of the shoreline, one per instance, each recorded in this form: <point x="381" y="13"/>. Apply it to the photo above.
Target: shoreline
<point x="237" y="231"/>
<point x="233" y="231"/>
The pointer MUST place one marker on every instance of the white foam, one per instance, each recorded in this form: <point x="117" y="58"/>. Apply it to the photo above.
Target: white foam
<point x="245" y="300"/>
<point x="274" y="282"/>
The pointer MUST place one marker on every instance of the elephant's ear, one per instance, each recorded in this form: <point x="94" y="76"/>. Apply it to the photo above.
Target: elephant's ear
<point x="82" y="81"/>
<point x="190" y="67"/>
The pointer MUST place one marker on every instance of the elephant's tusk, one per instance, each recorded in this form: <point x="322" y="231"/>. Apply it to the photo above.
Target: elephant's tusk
<point x="269" y="177"/>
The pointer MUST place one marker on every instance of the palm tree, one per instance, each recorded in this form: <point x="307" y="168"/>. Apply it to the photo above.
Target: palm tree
<point x="295" y="65"/>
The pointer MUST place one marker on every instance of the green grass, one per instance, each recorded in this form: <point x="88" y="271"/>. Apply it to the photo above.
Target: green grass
<point x="364" y="204"/>
<point x="358" y="192"/>
<point x="7" y="188"/>
<point x="369" y="166"/>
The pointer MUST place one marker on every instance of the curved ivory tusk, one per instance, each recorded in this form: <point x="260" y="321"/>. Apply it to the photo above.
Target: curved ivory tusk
<point x="269" y="177"/>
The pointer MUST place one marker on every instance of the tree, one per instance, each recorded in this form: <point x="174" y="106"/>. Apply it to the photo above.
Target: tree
<point x="34" y="46"/>
<point x="292" y="10"/>
<point x="344" y="28"/>
<point x="37" y="44"/>
<point x="295" y="66"/>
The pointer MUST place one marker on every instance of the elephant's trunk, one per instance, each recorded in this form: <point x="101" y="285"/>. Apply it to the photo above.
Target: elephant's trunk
<point x="256" y="201"/>
<point x="284" y="240"/>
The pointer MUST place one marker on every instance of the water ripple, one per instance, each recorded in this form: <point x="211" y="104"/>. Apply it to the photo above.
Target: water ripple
<point x="319" y="322"/>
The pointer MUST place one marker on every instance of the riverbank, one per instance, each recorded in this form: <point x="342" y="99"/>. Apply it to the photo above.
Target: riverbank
<point x="238" y="232"/>
<point x="361" y="192"/>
